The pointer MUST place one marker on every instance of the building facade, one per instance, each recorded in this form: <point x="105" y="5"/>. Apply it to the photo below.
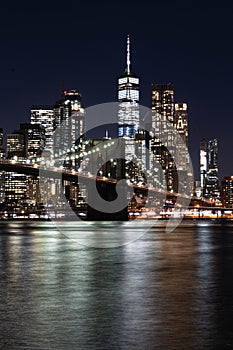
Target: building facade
<point x="203" y="165"/>
<point x="35" y="140"/>
<point x="212" y="181"/>
<point x="44" y="116"/>
<point x="16" y="145"/>
<point x="162" y="144"/>
<point x="227" y="192"/>
<point x="69" y="123"/>
<point x="181" y="126"/>
<point x="209" y="180"/>
<point x="128" y="110"/>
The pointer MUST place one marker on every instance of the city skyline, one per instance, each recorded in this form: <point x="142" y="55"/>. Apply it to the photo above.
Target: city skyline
<point x="109" y="237"/>
<point x="185" y="45"/>
<point x="157" y="146"/>
<point x="128" y="63"/>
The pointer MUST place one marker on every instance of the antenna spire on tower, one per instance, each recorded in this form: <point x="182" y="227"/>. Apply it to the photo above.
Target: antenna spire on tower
<point x="128" y="54"/>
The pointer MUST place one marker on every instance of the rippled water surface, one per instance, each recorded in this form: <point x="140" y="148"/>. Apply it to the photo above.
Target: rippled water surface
<point x="162" y="291"/>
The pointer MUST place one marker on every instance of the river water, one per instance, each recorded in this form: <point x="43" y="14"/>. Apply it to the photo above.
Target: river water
<point x="163" y="291"/>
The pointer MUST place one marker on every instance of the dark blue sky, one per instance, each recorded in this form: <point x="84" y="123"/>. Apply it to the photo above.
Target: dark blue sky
<point x="82" y="43"/>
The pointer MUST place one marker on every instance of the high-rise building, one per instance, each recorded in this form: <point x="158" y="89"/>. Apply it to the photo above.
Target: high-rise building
<point x="15" y="191"/>
<point x="44" y="116"/>
<point x="181" y="150"/>
<point x="2" y="150"/>
<point x="162" y="144"/>
<point x="128" y="110"/>
<point x="34" y="145"/>
<point x="209" y="169"/>
<point x="69" y="133"/>
<point x="1" y="138"/>
<point x="203" y="165"/>
<point x="16" y="145"/>
<point x="2" y="180"/>
<point x="212" y="182"/>
<point x="163" y="112"/>
<point x="24" y="144"/>
<point x="227" y="192"/>
<point x="34" y="140"/>
<point x="2" y="186"/>
<point x="142" y="150"/>
<point x="181" y="126"/>
<point x="15" y="184"/>
<point x="69" y="121"/>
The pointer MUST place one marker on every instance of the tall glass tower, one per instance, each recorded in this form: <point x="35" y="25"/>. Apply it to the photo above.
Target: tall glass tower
<point x="128" y="111"/>
<point x="70" y="114"/>
<point x="209" y="169"/>
<point x="163" y="113"/>
<point x="44" y="116"/>
<point x="181" y="126"/>
<point x="212" y="181"/>
<point x="163" y="135"/>
<point x="203" y="165"/>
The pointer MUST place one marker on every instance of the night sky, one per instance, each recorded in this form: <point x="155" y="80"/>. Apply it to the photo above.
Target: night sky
<point x="81" y="45"/>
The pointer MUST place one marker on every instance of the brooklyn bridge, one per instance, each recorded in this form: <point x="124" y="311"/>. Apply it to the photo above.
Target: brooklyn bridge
<point x="106" y="188"/>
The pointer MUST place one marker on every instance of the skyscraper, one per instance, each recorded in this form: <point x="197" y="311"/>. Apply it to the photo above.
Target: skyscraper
<point x="2" y="180"/>
<point x="23" y="145"/>
<point x="128" y="111"/>
<point x="162" y="109"/>
<point x="44" y="116"/>
<point x="69" y="133"/>
<point x="227" y="192"/>
<point x="209" y="169"/>
<point x="70" y="121"/>
<point x="15" y="191"/>
<point x="16" y="145"/>
<point x="212" y="181"/>
<point x="181" y="151"/>
<point x="1" y="138"/>
<point x="2" y="150"/>
<point x="181" y="126"/>
<point x="203" y="165"/>
<point x="15" y="184"/>
<point x="162" y="144"/>
<point x="34" y="140"/>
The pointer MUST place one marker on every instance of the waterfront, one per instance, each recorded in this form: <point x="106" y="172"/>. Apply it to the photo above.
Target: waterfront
<point x="162" y="291"/>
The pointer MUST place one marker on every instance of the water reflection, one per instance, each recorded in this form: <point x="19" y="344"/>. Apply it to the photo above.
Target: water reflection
<point x="163" y="291"/>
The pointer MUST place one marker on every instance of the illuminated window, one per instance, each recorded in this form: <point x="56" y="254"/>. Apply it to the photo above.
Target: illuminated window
<point x="122" y="94"/>
<point x="122" y="81"/>
<point x="133" y="80"/>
